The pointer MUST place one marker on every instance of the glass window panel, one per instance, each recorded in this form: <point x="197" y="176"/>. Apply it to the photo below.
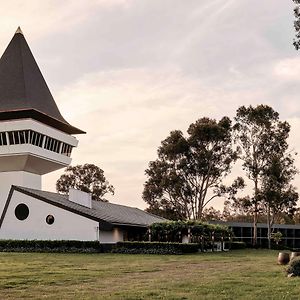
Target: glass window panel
<point x="35" y="141"/>
<point x="50" y="144"/>
<point x="11" y="138"/>
<point x="27" y="135"/>
<point x="17" y="138"/>
<point x="38" y="139"/>
<point x="32" y="136"/>
<point x="55" y="149"/>
<point x="53" y="145"/>
<point x="57" y="146"/>
<point x="22" y="137"/>
<point x="63" y="150"/>
<point x="4" y="138"/>
<point x="46" y="142"/>
<point x="41" y="140"/>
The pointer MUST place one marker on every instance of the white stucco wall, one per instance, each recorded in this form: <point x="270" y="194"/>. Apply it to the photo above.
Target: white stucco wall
<point x="28" y="149"/>
<point x="21" y="178"/>
<point x="67" y="225"/>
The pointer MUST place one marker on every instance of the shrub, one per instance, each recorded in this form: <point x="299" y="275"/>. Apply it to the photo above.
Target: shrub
<point x="294" y="267"/>
<point x="49" y="246"/>
<point x="235" y="245"/>
<point x="203" y="233"/>
<point x="277" y="237"/>
<point x="154" y="248"/>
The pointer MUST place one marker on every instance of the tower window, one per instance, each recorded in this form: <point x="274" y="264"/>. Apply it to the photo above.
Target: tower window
<point x="22" y="137"/>
<point x="3" y="140"/>
<point x="15" y="137"/>
<point x="36" y="139"/>
<point x="11" y="138"/>
<point x="52" y="144"/>
<point x="21" y="211"/>
<point x="66" y="149"/>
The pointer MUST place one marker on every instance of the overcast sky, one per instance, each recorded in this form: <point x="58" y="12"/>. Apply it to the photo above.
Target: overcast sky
<point x="130" y="71"/>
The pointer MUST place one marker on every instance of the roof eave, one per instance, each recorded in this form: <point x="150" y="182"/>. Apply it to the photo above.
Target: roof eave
<point x="132" y="224"/>
<point x="41" y="117"/>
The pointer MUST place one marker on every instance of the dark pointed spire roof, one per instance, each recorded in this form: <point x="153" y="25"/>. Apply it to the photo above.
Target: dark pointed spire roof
<point x="23" y="90"/>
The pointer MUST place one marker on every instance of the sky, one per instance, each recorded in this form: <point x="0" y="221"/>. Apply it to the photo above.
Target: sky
<point x="129" y="71"/>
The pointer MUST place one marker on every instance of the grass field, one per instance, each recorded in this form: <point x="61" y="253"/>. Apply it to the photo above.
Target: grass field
<point x="244" y="274"/>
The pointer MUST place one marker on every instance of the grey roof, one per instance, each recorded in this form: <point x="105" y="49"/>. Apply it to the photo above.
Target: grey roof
<point x="23" y="89"/>
<point x="101" y="211"/>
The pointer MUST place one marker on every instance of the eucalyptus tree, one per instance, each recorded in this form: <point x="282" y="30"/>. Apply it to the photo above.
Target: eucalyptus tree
<point x="297" y="24"/>
<point x="188" y="173"/>
<point x="259" y="135"/>
<point x="278" y="195"/>
<point x="88" y="178"/>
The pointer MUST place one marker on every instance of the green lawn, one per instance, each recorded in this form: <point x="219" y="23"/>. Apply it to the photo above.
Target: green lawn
<point x="245" y="274"/>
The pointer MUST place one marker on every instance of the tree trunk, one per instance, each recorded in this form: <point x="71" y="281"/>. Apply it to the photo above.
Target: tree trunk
<point x="269" y="225"/>
<point x="254" y="242"/>
<point x="255" y="215"/>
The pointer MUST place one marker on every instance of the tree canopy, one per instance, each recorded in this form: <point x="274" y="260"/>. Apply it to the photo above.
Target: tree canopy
<point x="277" y="194"/>
<point x="189" y="170"/>
<point x="297" y="24"/>
<point x="88" y="178"/>
<point x="260" y="135"/>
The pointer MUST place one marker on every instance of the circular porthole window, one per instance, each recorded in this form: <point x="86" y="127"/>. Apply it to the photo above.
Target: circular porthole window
<point x="50" y="219"/>
<point x="21" y="211"/>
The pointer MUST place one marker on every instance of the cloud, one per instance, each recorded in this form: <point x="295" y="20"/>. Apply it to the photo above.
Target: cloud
<point x="39" y="18"/>
<point x="288" y="69"/>
<point x="126" y="114"/>
<point x="129" y="71"/>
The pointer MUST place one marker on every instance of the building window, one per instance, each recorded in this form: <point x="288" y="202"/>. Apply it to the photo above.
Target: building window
<point x="66" y="149"/>
<point x="15" y="137"/>
<point x="36" y="139"/>
<point x="52" y="144"/>
<point x="23" y="136"/>
<point x="50" y="219"/>
<point x="11" y="137"/>
<point x="3" y="140"/>
<point x="21" y="211"/>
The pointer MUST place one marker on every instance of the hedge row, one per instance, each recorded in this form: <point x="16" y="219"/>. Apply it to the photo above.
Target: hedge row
<point x="154" y="248"/>
<point x="95" y="247"/>
<point x="173" y="231"/>
<point x="49" y="246"/>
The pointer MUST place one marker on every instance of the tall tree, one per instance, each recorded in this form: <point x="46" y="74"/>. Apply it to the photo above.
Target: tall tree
<point x="167" y="212"/>
<point x="238" y="210"/>
<point x="189" y="170"/>
<point x="87" y="178"/>
<point x="259" y="134"/>
<point x="297" y="24"/>
<point x="211" y="214"/>
<point x="277" y="193"/>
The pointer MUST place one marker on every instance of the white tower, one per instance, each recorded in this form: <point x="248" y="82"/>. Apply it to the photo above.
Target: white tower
<point x="34" y="137"/>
